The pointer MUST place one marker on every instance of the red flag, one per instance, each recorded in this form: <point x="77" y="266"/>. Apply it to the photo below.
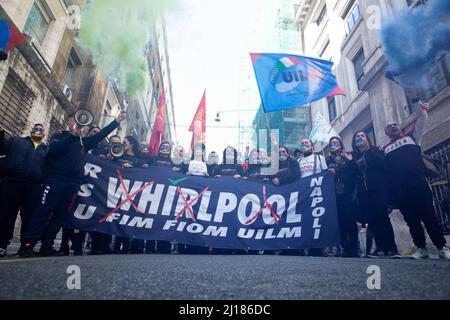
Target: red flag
<point x="16" y="37"/>
<point x="9" y="38"/>
<point x="198" y="125"/>
<point x="338" y="91"/>
<point x="158" y="128"/>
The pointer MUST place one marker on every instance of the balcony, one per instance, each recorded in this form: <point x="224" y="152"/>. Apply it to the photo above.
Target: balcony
<point x="302" y="9"/>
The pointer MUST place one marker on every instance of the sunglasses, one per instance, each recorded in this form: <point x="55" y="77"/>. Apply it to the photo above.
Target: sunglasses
<point x="391" y="125"/>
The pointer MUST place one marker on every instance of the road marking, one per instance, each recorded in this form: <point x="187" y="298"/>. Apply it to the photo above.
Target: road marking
<point x="24" y="259"/>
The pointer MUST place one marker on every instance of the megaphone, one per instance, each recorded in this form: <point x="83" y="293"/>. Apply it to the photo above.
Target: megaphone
<point x="117" y="150"/>
<point x="84" y="117"/>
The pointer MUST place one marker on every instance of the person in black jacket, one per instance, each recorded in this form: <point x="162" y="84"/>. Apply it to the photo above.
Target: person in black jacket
<point x="288" y="169"/>
<point x="20" y="181"/>
<point x="373" y="193"/>
<point x="102" y="149"/>
<point x="63" y="178"/>
<point x="212" y="163"/>
<point x="76" y="237"/>
<point x="231" y="168"/>
<point x="341" y="164"/>
<point x="257" y="162"/>
<point x="408" y="179"/>
<point x="163" y="159"/>
<point x="179" y="160"/>
<point x="132" y="158"/>
<point x="230" y="165"/>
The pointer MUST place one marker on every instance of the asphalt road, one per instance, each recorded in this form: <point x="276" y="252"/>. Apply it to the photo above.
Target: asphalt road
<point x="219" y="277"/>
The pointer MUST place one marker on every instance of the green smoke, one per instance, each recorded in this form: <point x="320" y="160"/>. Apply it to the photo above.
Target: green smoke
<point x="116" y="33"/>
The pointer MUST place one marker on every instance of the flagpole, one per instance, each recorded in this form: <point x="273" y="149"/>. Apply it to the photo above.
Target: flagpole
<point x="267" y="121"/>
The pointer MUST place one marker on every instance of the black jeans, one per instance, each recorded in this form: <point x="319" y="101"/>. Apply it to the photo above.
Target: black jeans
<point x="415" y="201"/>
<point x="374" y="206"/>
<point x="348" y="229"/>
<point x="75" y="237"/>
<point x="15" y="196"/>
<point x="121" y="245"/>
<point x="100" y="243"/>
<point x="137" y="246"/>
<point x="57" y="199"/>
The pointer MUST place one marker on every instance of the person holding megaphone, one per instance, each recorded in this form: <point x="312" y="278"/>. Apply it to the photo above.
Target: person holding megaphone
<point x="64" y="174"/>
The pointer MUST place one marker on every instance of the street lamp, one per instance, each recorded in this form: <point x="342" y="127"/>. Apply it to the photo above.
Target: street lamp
<point x="217" y="119"/>
<point x="240" y="127"/>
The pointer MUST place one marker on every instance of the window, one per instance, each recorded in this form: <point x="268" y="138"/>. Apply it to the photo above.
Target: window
<point x="324" y="50"/>
<point x="16" y="100"/>
<point x="332" y="108"/>
<point x="37" y="23"/>
<point x="441" y="153"/>
<point x="416" y="3"/>
<point x="68" y="73"/>
<point x="409" y="103"/>
<point x="322" y="16"/>
<point x="358" y="64"/>
<point x="438" y="77"/>
<point x="107" y="111"/>
<point x="68" y="3"/>
<point x="352" y="16"/>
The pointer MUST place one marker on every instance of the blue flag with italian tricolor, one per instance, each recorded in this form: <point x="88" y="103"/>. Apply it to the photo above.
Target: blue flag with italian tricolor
<point x="287" y="81"/>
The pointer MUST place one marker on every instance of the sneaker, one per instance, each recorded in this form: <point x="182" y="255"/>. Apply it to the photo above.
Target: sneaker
<point x="48" y="252"/>
<point x="26" y="251"/>
<point x="376" y="255"/>
<point x="409" y="251"/>
<point x="393" y="255"/>
<point x="62" y="253"/>
<point x="419" y="254"/>
<point x="2" y="252"/>
<point x="444" y="253"/>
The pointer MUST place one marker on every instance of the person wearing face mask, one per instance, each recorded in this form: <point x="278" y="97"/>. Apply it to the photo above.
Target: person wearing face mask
<point x="288" y="168"/>
<point x="163" y="159"/>
<point x="230" y="166"/>
<point x="197" y="166"/>
<point x="64" y="175"/>
<point x="341" y="164"/>
<point x="256" y="166"/>
<point x="101" y="150"/>
<point x="132" y="158"/>
<point x="179" y="160"/>
<point x="20" y="181"/>
<point x="310" y="163"/>
<point x="374" y="194"/>
<point x="100" y="242"/>
<point x="212" y="163"/>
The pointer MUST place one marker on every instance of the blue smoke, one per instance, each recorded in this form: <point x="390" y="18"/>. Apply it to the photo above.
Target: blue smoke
<point x="413" y="42"/>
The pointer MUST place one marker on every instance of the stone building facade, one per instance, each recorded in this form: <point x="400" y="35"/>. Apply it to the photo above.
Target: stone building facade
<point x="347" y="32"/>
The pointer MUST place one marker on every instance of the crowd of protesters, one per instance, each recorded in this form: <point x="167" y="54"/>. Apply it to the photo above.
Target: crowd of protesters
<point x="41" y="182"/>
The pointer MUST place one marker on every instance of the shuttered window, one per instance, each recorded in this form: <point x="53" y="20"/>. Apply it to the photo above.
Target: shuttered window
<point x="16" y="99"/>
